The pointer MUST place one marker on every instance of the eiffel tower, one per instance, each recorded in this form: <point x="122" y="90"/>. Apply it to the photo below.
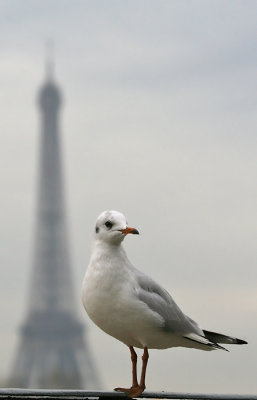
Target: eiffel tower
<point x="52" y="352"/>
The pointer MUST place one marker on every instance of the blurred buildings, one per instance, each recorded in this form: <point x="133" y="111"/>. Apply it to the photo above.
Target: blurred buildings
<point x="52" y="351"/>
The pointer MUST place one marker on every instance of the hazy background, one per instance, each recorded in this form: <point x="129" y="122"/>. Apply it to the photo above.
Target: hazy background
<point x="159" y="122"/>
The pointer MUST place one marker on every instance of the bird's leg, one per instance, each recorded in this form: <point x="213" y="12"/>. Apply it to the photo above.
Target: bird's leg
<point x="134" y="372"/>
<point x="145" y="358"/>
<point x="134" y="367"/>
<point x="136" y="391"/>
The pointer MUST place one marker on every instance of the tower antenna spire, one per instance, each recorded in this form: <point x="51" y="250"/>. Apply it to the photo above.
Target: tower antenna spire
<point x="49" y="66"/>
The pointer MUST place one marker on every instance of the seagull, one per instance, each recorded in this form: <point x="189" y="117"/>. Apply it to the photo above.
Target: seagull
<point x="130" y="306"/>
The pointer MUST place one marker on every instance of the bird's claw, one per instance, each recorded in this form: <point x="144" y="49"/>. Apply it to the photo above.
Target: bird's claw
<point x="134" y="391"/>
<point x="123" y="390"/>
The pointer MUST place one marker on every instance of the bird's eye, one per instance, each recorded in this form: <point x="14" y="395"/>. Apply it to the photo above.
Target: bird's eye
<point x="108" y="224"/>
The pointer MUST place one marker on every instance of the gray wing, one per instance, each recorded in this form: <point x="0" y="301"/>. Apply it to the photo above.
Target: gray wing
<point x="160" y="301"/>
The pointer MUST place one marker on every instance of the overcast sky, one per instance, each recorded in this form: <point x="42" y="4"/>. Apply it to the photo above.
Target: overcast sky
<point x="159" y="122"/>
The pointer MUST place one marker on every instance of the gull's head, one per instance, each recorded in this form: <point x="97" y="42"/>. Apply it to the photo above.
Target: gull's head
<point x="111" y="227"/>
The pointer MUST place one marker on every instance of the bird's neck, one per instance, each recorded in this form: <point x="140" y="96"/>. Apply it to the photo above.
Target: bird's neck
<point x="108" y="247"/>
<point x="108" y="251"/>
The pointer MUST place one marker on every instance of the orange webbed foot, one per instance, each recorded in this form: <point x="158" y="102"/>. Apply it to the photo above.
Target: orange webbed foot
<point x="134" y="391"/>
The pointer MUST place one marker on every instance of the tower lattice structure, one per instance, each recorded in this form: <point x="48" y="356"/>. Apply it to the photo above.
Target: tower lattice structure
<point x="53" y="351"/>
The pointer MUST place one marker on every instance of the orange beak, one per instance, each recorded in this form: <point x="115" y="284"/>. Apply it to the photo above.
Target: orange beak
<point x="129" y="230"/>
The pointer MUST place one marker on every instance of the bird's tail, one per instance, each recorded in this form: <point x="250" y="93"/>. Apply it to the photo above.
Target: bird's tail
<point x="219" y="338"/>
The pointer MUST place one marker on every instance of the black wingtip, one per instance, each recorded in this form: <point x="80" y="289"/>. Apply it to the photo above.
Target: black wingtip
<point x="240" y="341"/>
<point x="217" y="346"/>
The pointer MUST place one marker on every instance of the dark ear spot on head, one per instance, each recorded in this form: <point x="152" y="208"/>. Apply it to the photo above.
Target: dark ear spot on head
<point x="96" y="229"/>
